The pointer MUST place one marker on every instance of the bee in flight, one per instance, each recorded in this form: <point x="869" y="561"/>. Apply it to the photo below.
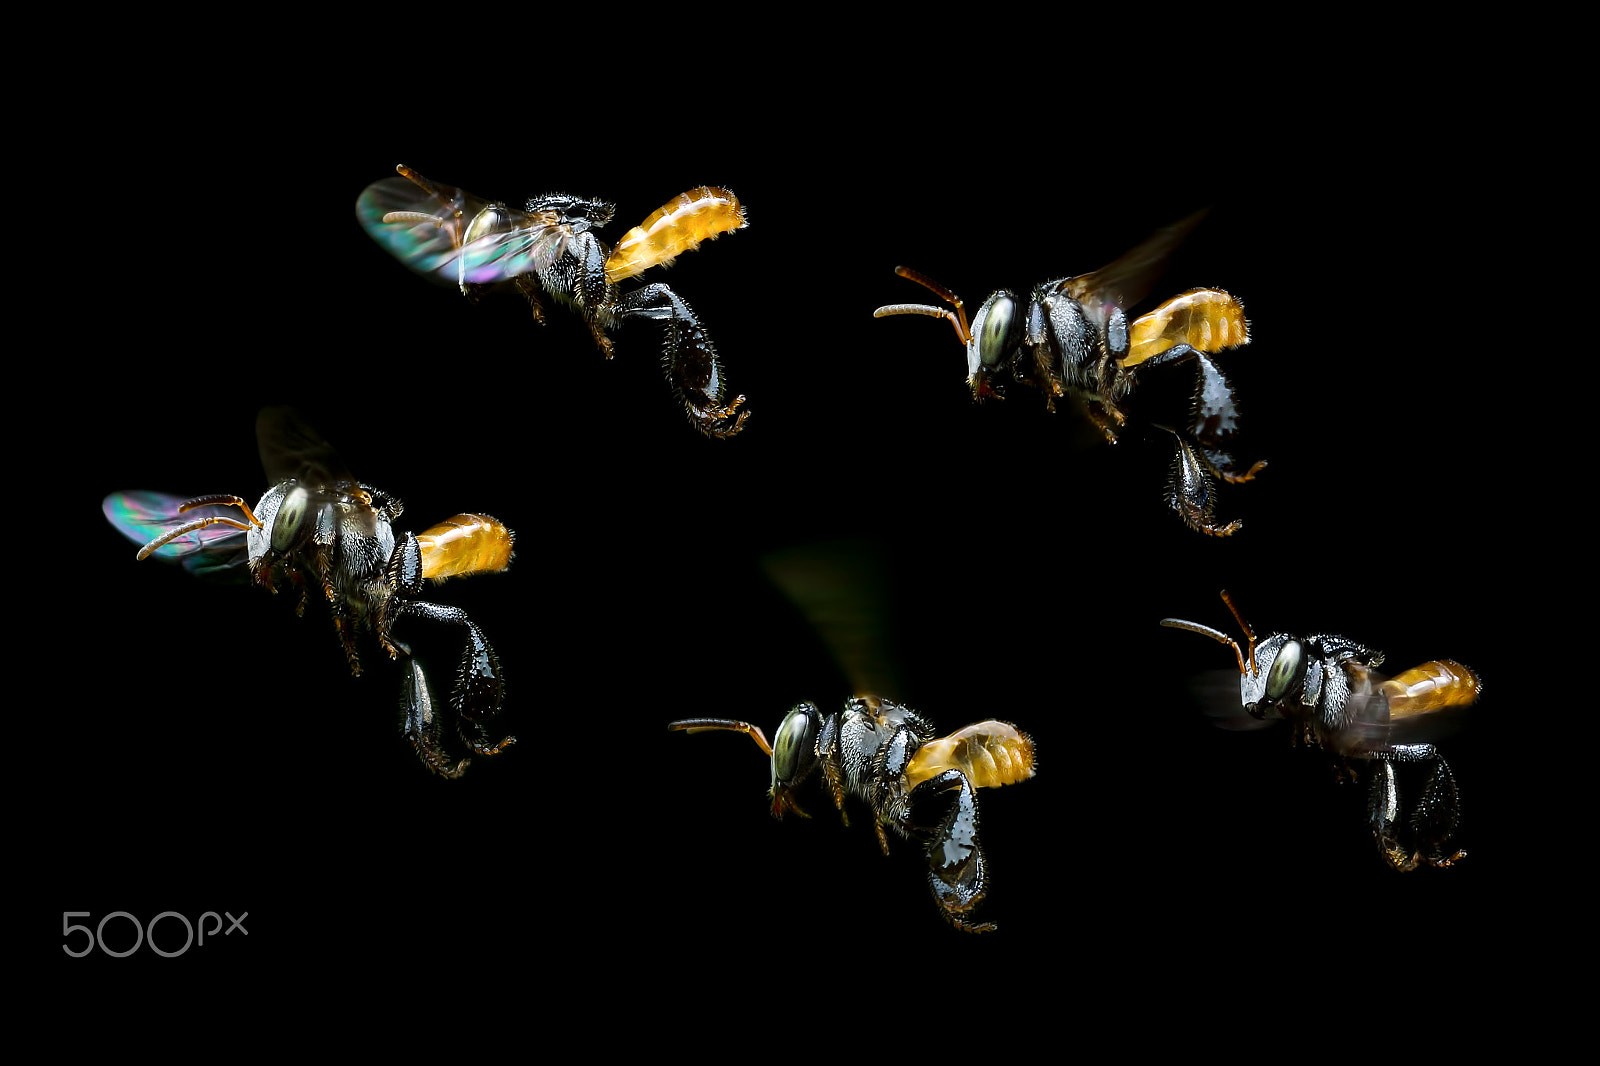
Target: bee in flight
<point x="550" y="245"/>
<point x="916" y="783"/>
<point x="1073" y="337"/>
<point x="1328" y="688"/>
<point x="319" y="528"/>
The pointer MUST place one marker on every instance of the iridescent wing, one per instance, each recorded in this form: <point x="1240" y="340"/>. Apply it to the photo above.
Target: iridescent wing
<point x="450" y="235"/>
<point x="216" y="552"/>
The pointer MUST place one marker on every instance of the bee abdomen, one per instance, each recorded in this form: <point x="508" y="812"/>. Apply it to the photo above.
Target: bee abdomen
<point x="676" y="227"/>
<point x="990" y="754"/>
<point x="465" y="544"/>
<point x="1207" y="320"/>
<point x="1432" y="686"/>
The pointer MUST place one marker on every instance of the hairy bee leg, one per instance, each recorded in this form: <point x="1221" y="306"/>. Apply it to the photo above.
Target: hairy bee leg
<point x="528" y="286"/>
<point x="1106" y="418"/>
<point x="1191" y="492"/>
<point x="957" y="870"/>
<point x="474" y="737"/>
<point x="479" y="690"/>
<point x="1213" y="413"/>
<point x="421" y="724"/>
<point x="689" y="359"/>
<point x="1433" y="820"/>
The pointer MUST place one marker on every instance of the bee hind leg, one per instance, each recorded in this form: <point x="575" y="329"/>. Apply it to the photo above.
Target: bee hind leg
<point x="1191" y="491"/>
<point x="1213" y="414"/>
<point x="957" y="869"/>
<point x="1433" y="819"/>
<point x="480" y="688"/>
<point x="421" y="724"/>
<point x="690" y="360"/>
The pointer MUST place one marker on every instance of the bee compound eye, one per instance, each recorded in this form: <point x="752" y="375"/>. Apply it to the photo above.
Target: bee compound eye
<point x="995" y="328"/>
<point x="794" y="747"/>
<point x="290" y="517"/>
<point x="1287" y="669"/>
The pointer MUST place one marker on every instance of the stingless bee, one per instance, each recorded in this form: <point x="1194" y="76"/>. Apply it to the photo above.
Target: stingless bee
<point x="918" y="784"/>
<point x="1328" y="688"/>
<point x="1073" y="338"/>
<point x="321" y="529"/>
<point x="453" y="236"/>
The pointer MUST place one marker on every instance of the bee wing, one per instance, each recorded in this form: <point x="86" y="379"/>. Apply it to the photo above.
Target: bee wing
<point x="839" y="588"/>
<point x="216" y="552"/>
<point x="1128" y="279"/>
<point x="1216" y="692"/>
<point x="290" y="448"/>
<point x="450" y="235"/>
<point x="1411" y="705"/>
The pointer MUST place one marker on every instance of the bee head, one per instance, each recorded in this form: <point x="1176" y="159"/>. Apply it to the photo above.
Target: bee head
<point x="996" y="332"/>
<point x="794" y="756"/>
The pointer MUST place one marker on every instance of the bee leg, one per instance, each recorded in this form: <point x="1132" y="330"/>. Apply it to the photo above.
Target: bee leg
<point x="957" y="870"/>
<point x="690" y="360"/>
<point x="1191" y="491"/>
<point x="403" y="574"/>
<point x="1433" y="819"/>
<point x="1106" y="417"/>
<point x="1213" y="414"/>
<point x="479" y="688"/>
<point x="422" y="724"/>
<point x="528" y="286"/>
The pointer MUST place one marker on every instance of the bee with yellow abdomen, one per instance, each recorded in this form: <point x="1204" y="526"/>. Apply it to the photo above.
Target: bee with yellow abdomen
<point x="319" y="528"/>
<point x="1074" y="337"/>
<point x="918" y="784"/>
<point x="550" y="246"/>
<point x="1328" y="688"/>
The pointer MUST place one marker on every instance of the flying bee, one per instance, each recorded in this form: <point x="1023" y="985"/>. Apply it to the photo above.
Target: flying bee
<point x="1073" y="337"/>
<point x="450" y="235"/>
<point x="918" y="784"/>
<point x="1329" y="690"/>
<point x="318" y="528"/>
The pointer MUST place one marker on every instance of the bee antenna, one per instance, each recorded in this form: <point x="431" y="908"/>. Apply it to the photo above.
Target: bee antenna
<point x="1215" y="634"/>
<point x="958" y="317"/>
<point x="1249" y="633"/>
<point x="701" y="725"/>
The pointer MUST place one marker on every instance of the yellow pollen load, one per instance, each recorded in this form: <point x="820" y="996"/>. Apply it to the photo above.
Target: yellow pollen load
<point x="678" y="226"/>
<point x="1432" y="686"/>
<point x="465" y="544"/>
<point x="1208" y="320"/>
<point x="990" y="754"/>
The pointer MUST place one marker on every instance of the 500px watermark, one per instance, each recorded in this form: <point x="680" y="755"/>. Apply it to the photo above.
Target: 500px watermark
<point x="145" y="932"/>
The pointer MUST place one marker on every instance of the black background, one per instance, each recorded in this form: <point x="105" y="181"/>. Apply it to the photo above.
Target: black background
<point x="208" y="751"/>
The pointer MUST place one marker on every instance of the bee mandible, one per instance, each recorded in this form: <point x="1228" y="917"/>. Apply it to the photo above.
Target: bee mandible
<point x="550" y="245"/>
<point x="321" y="529"/>
<point x="1073" y="337"/>
<point x="1328" y="688"/>
<point x="916" y="783"/>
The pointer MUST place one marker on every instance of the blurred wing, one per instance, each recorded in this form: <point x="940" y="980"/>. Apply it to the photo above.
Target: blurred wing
<point x="839" y="588"/>
<point x="290" y="448"/>
<point x="1216" y="692"/>
<point x="216" y="552"/>
<point x="1410" y="706"/>
<point x="449" y="235"/>
<point x="1128" y="280"/>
